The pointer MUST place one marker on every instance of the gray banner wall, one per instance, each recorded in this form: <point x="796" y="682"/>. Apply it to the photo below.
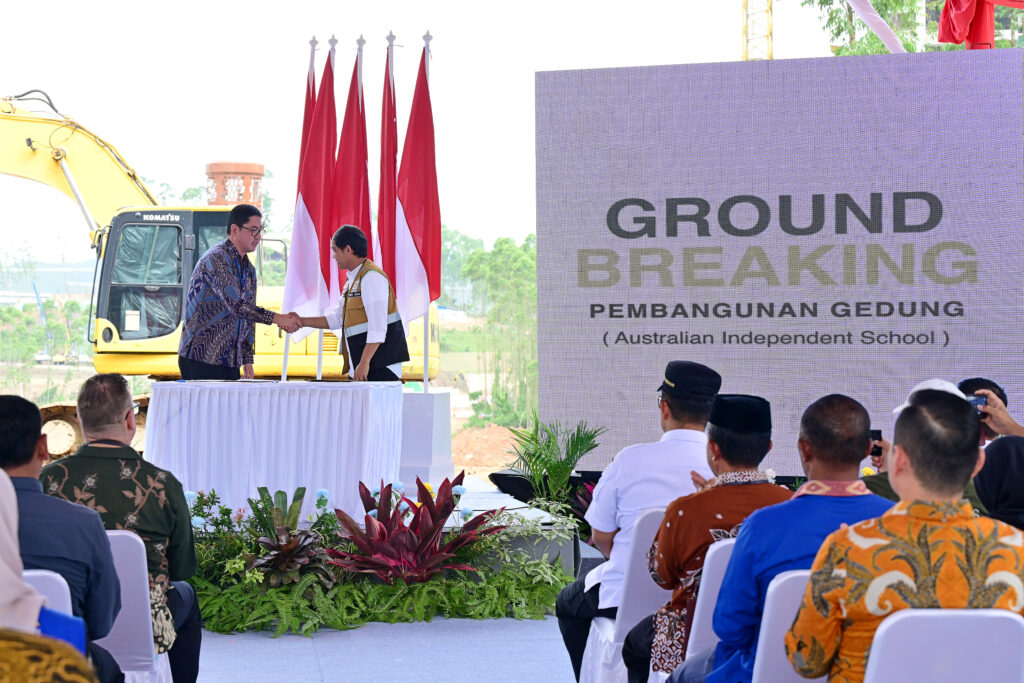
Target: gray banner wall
<point x="707" y="211"/>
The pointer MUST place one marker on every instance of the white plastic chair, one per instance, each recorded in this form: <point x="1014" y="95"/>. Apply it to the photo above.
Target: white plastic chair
<point x="781" y="603"/>
<point x="51" y="586"/>
<point x="947" y="646"/>
<point x="641" y="597"/>
<point x="130" y="640"/>
<point x="702" y="636"/>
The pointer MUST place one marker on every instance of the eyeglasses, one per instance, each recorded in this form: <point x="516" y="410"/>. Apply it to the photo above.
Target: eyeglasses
<point x="135" y="407"/>
<point x="256" y="232"/>
<point x="659" y="400"/>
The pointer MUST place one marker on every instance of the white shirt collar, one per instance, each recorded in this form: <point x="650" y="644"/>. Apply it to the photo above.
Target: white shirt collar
<point x="684" y="435"/>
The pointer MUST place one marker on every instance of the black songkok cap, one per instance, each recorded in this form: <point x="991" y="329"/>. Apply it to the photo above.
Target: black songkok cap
<point x="742" y="413"/>
<point x="690" y="381"/>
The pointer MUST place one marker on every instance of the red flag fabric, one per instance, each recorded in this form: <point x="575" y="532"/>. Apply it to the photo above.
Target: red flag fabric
<point x="311" y="281"/>
<point x="387" y="198"/>
<point x="351" y="196"/>
<point x="418" y="269"/>
<point x="307" y="110"/>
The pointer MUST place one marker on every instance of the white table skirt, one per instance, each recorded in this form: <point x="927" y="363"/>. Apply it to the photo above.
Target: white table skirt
<point x="235" y="436"/>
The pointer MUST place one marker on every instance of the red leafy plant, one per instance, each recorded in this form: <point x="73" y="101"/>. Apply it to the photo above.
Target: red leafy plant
<point x="391" y="549"/>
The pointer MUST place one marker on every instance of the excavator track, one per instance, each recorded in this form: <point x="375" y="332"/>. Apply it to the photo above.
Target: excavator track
<point x="64" y="435"/>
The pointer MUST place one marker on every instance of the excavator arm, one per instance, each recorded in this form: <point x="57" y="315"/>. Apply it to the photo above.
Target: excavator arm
<point x="54" y="149"/>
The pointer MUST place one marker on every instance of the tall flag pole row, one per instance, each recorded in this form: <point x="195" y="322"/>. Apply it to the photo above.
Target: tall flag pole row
<point x="333" y="190"/>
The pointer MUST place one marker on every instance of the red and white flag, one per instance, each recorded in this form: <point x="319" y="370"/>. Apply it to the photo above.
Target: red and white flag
<point x="351" y="196"/>
<point x="307" y="109"/>
<point x="311" y="282"/>
<point x="417" y="211"/>
<point x="384" y="255"/>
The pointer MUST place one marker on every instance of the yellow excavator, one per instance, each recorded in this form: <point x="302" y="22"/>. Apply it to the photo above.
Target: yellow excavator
<point x="145" y="254"/>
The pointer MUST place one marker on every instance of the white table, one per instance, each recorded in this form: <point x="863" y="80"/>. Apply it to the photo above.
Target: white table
<point x="235" y="436"/>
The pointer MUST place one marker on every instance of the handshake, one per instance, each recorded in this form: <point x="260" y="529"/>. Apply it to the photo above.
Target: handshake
<point x="289" y="322"/>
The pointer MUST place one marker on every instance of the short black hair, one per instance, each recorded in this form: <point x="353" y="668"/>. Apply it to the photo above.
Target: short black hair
<point x="838" y="428"/>
<point x="740" y="449"/>
<point x="241" y="214"/>
<point x="102" y="401"/>
<point x="688" y="411"/>
<point x="20" y="427"/>
<point x="351" y="236"/>
<point x="971" y="386"/>
<point x="940" y="433"/>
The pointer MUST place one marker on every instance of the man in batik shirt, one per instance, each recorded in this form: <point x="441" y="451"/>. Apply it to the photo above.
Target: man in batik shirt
<point x="219" y="336"/>
<point x="109" y="476"/>
<point x="928" y="551"/>
<point x="739" y="436"/>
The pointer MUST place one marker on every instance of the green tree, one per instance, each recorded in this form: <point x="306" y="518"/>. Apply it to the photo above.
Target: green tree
<point x="506" y="281"/>
<point x="456" y="288"/>
<point x="851" y="36"/>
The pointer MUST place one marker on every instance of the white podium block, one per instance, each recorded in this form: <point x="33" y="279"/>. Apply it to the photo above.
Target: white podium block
<point x="426" y="438"/>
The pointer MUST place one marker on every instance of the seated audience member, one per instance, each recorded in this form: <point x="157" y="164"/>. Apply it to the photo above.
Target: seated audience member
<point x="25" y="656"/>
<point x="835" y="436"/>
<point x="739" y="436"/>
<point x="976" y="384"/>
<point x="60" y="536"/>
<point x="641" y="477"/>
<point x="39" y="659"/>
<point x="928" y="551"/>
<point x="109" y="476"/>
<point x="879" y="483"/>
<point x="1000" y="482"/>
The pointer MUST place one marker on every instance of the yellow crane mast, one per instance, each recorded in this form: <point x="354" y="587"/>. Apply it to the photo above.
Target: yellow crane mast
<point x="757" y="29"/>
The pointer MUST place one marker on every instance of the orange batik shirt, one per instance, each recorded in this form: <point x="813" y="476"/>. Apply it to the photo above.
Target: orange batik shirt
<point x="917" y="554"/>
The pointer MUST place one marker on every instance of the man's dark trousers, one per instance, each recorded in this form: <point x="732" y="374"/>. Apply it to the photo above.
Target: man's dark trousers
<point x="575" y="608"/>
<point x="188" y="624"/>
<point x="194" y="369"/>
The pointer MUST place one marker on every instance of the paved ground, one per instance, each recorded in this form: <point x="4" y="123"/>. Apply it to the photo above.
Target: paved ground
<point x="439" y="651"/>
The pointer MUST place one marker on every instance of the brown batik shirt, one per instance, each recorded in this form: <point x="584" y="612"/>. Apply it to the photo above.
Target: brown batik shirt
<point x="691" y="524"/>
<point x="132" y="494"/>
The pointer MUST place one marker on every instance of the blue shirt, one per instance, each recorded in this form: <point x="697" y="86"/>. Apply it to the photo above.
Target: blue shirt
<point x="69" y="539"/>
<point x="773" y="540"/>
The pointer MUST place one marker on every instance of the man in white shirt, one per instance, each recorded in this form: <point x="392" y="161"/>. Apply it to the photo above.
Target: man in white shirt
<point x="367" y="313"/>
<point x="641" y="477"/>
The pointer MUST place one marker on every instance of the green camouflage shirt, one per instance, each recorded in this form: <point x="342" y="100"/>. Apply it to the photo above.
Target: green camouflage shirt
<point x="132" y="494"/>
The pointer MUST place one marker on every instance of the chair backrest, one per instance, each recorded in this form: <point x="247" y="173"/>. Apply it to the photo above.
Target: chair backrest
<point x="51" y="586"/>
<point x="945" y="645"/>
<point x="781" y="603"/>
<point x="716" y="559"/>
<point x="641" y="596"/>
<point x="130" y="640"/>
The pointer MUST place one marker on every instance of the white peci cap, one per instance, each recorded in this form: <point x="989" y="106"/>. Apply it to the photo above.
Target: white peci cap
<point x="933" y="384"/>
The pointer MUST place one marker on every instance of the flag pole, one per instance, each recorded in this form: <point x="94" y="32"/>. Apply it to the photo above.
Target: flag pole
<point x="284" y="361"/>
<point x="320" y="333"/>
<point x="288" y="337"/>
<point x="426" y="315"/>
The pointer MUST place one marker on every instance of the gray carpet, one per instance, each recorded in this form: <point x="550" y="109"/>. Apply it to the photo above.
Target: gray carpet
<point x="440" y="651"/>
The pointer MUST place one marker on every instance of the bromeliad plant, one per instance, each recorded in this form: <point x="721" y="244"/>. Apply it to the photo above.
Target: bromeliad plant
<point x="390" y="549"/>
<point x="289" y="552"/>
